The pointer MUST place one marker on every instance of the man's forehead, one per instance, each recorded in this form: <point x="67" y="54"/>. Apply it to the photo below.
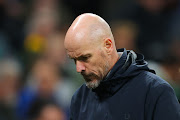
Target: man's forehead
<point x="73" y="44"/>
<point x="75" y="36"/>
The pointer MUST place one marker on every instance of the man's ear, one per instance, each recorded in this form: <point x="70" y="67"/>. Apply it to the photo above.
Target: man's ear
<point x="108" y="45"/>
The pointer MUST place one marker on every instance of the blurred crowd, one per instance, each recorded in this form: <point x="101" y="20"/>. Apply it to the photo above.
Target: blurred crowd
<point x="37" y="80"/>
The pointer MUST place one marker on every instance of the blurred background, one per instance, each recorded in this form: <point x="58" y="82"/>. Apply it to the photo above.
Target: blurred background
<point x="37" y="80"/>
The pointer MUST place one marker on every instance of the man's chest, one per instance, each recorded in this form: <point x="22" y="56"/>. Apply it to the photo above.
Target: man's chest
<point x="114" y="108"/>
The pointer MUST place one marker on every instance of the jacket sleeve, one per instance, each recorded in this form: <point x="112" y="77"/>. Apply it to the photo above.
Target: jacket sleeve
<point x="166" y="105"/>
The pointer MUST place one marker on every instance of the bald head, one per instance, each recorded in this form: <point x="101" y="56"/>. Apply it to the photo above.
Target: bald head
<point x="90" y="43"/>
<point x="87" y="29"/>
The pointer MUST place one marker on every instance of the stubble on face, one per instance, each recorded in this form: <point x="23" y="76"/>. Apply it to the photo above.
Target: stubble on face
<point x="93" y="79"/>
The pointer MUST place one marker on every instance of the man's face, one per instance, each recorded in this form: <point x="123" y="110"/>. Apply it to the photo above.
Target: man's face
<point x="91" y="62"/>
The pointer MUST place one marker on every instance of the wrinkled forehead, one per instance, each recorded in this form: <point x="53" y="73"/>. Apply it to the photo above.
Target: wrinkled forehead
<point x="80" y="42"/>
<point x="80" y="49"/>
<point x="73" y="45"/>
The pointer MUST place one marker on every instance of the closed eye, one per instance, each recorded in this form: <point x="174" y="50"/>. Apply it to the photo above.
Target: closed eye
<point x="82" y="58"/>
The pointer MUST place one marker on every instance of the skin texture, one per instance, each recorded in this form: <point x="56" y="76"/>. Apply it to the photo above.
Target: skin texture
<point x="89" y="41"/>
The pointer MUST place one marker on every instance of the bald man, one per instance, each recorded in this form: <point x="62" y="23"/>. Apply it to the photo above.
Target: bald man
<point x="118" y="83"/>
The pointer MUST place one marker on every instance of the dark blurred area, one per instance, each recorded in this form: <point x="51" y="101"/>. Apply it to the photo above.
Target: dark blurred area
<point x="37" y="80"/>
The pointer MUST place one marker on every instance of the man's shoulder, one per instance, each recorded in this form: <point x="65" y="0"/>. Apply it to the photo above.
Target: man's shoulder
<point x="152" y="79"/>
<point x="156" y="85"/>
<point x="161" y="95"/>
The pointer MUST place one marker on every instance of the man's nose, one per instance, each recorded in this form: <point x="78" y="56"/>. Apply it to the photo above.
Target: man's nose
<point x="80" y="67"/>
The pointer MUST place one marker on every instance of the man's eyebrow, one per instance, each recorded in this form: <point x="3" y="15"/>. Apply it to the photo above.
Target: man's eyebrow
<point x="84" y="56"/>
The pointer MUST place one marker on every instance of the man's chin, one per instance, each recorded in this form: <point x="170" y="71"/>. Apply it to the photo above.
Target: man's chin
<point x="93" y="84"/>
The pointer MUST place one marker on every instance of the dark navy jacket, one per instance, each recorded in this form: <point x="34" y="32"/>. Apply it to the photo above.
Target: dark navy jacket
<point x="131" y="91"/>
